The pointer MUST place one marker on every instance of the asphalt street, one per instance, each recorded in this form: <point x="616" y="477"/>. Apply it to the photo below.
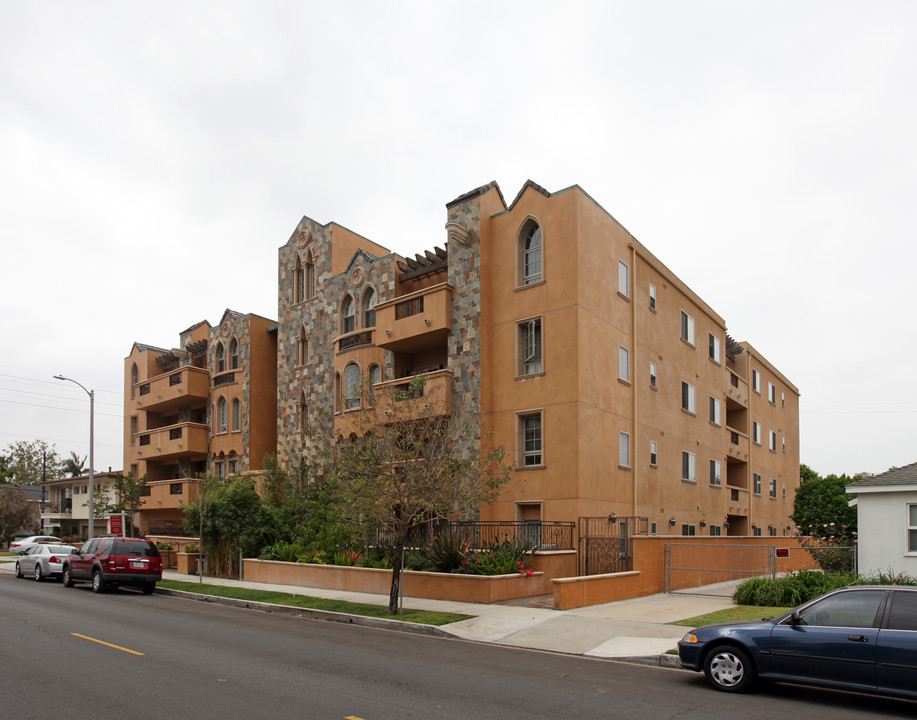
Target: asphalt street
<point x="68" y="652"/>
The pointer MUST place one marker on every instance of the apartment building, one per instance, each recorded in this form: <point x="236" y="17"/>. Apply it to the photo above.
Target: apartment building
<point x="616" y="388"/>
<point x="205" y="407"/>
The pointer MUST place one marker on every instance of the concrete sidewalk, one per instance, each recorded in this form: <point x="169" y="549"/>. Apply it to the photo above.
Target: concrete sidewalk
<point x="637" y="630"/>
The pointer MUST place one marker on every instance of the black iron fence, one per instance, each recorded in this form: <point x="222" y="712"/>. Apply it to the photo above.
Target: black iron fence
<point x="172" y="528"/>
<point x="539" y="535"/>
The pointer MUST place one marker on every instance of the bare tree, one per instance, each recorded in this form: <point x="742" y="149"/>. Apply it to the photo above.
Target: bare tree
<point x="403" y="466"/>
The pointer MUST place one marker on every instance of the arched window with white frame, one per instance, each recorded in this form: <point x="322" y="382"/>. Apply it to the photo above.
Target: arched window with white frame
<point x="530" y="256"/>
<point x="220" y="357"/>
<point x="234" y="354"/>
<point x="369" y="308"/>
<point x="352" y="387"/>
<point x="236" y="415"/>
<point x="348" y="314"/>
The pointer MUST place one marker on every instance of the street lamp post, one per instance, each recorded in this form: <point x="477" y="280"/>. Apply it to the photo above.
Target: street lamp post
<point x="92" y="489"/>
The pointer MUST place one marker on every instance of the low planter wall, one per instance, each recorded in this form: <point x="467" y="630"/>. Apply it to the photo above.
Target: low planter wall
<point x="574" y="592"/>
<point x="187" y="563"/>
<point x="434" y="586"/>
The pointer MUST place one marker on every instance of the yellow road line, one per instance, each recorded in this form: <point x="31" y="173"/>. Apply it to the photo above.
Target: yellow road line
<point x="101" y="642"/>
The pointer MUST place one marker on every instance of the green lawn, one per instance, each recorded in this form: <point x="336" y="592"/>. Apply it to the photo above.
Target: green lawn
<point x="424" y="617"/>
<point x="733" y="614"/>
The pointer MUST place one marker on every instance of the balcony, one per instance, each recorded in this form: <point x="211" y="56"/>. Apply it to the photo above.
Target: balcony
<point x="170" y="494"/>
<point x="736" y="391"/>
<point x="398" y="400"/>
<point x="416" y="322"/>
<point x="738" y="445"/>
<point x="172" y="390"/>
<point x="361" y="338"/>
<point x="738" y="501"/>
<point x="173" y="441"/>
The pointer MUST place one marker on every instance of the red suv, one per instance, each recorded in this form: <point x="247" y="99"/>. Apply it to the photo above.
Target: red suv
<point x="113" y="561"/>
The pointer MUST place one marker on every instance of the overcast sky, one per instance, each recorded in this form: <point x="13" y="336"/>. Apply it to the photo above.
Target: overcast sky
<point x="154" y="156"/>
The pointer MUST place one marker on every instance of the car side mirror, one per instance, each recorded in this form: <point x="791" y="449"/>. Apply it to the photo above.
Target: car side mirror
<point x="795" y="619"/>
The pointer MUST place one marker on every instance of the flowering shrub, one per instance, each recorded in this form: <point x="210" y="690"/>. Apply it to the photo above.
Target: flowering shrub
<point x="832" y="545"/>
<point x="500" y="557"/>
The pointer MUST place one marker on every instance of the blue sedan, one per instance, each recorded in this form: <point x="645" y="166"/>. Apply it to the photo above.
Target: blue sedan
<point x="858" y="638"/>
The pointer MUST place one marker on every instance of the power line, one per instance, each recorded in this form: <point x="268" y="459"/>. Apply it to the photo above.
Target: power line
<point x="58" y="407"/>
<point x="81" y="399"/>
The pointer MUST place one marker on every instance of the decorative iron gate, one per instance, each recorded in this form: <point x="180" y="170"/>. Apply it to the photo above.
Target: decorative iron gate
<point x="606" y="545"/>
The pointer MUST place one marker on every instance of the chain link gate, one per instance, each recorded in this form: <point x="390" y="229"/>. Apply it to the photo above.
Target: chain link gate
<point x="717" y="569"/>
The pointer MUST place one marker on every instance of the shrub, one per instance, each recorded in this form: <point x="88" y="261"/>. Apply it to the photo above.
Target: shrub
<point x="791" y="590"/>
<point x="283" y="552"/>
<point x="447" y="552"/>
<point x="498" y="557"/>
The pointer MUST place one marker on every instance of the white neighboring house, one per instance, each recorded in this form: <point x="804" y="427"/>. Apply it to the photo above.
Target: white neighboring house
<point x="887" y="521"/>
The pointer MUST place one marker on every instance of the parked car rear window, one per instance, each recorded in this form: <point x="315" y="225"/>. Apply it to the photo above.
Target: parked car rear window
<point x="140" y="549"/>
<point x="903" y="615"/>
<point x="59" y="549"/>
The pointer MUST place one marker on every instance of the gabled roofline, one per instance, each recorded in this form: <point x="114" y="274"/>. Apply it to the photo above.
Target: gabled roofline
<point x="476" y="192"/>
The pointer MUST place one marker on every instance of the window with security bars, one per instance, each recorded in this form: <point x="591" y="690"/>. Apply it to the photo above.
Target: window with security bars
<point x="530" y="427"/>
<point x="530" y="350"/>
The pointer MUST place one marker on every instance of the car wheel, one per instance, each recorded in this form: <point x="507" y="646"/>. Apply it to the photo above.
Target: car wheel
<point x="148" y="588"/>
<point x="729" y="669"/>
<point x="97" y="584"/>
<point x="18" y="570"/>
<point x="65" y="577"/>
<point x="38" y="576"/>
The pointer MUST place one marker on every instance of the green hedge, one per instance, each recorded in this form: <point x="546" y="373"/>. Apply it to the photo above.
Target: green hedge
<point x="800" y="587"/>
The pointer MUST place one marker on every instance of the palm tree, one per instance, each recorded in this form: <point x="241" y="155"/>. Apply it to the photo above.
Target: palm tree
<point x="74" y="465"/>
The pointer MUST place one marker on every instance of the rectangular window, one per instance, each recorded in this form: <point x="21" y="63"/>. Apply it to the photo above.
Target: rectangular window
<point x="757" y="484"/>
<point x="233" y="467"/>
<point x="773" y="489"/>
<point x="716" y="473"/>
<point x="175" y="488"/>
<point x="716" y="530"/>
<point x="688" y="466"/>
<point x="756" y="381"/>
<point x="756" y="531"/>
<point x="689" y="530"/>
<point x="623" y="364"/>
<point x="623" y="279"/>
<point x="714" y="347"/>
<point x="219" y="470"/>
<point x="654" y="453"/>
<point x="530" y="346"/>
<point x="688" y="397"/>
<point x="772" y="393"/>
<point x="715" y="411"/>
<point x="652" y="528"/>
<point x="653" y="375"/>
<point x="782" y="399"/>
<point x="771" y="530"/>
<point x="530" y="431"/>
<point x="624" y="449"/>
<point x="687" y="328"/>
<point x="912" y="528"/>
<point x="756" y="432"/>
<point x="772" y="440"/>
<point x="652" y="297"/>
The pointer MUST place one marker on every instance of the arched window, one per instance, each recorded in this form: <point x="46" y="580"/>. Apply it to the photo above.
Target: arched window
<point x="375" y="377"/>
<point x="348" y="315"/>
<point x="369" y="308"/>
<point x="221" y="414"/>
<point x="337" y="392"/>
<point x="236" y="415"/>
<point x="234" y="354"/>
<point x="220" y="357"/>
<point x="302" y="346"/>
<point x="352" y="383"/>
<point x="309" y="280"/>
<point x="299" y="287"/>
<point x="133" y="378"/>
<point x="530" y="253"/>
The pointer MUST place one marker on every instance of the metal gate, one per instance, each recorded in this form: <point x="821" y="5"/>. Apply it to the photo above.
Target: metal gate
<point x="606" y="545"/>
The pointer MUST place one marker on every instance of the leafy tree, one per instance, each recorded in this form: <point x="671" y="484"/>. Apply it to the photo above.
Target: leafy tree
<point x="807" y="473"/>
<point x="406" y="468"/>
<point x="128" y="493"/>
<point x="31" y="462"/>
<point x="821" y="501"/>
<point x="15" y="512"/>
<point x="73" y="466"/>
<point x="230" y="517"/>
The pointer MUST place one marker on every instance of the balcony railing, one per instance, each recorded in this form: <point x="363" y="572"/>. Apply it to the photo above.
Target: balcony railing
<point x="180" y="387"/>
<point x="409" y="399"/>
<point x="364" y="337"/>
<point x="738" y="501"/>
<point x="737" y="391"/>
<point x="416" y="322"/>
<point x="169" y="528"/>
<point x="738" y="445"/>
<point x="224" y="379"/>
<point x="174" y="441"/>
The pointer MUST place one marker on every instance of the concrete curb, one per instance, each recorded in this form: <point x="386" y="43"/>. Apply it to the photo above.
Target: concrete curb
<point x="327" y="615"/>
<point x="666" y="661"/>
